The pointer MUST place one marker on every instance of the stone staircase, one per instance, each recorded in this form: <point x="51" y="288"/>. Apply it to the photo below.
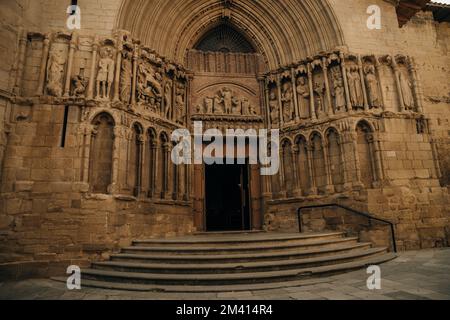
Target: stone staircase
<point x="232" y="262"/>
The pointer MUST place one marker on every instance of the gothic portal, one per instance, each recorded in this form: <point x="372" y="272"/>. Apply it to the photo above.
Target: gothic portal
<point x="88" y="116"/>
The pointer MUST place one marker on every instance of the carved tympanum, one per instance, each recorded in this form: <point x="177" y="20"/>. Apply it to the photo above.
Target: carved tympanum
<point x="226" y="102"/>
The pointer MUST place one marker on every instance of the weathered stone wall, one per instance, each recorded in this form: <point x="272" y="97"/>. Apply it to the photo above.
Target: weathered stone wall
<point x="422" y="38"/>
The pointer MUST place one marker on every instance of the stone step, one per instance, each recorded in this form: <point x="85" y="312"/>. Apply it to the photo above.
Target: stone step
<point x="257" y="238"/>
<point x="193" y="289"/>
<point x="222" y="268"/>
<point x="229" y="249"/>
<point x="239" y="257"/>
<point x="233" y="278"/>
<point x="226" y="233"/>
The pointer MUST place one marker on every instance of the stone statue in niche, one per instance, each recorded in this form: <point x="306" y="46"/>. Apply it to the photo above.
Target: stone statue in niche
<point x="55" y="73"/>
<point x="406" y="86"/>
<point x="372" y="86"/>
<point x="319" y="94"/>
<point x="168" y="99"/>
<point x="180" y="92"/>
<point x="149" y="86"/>
<point x="105" y="75"/>
<point x="79" y="84"/>
<point x="354" y="84"/>
<point x="303" y="97"/>
<point x="273" y="106"/>
<point x="338" y="92"/>
<point x="287" y="100"/>
<point x="126" y="77"/>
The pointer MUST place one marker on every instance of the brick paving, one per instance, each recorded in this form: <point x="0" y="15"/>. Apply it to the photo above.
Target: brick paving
<point x="414" y="275"/>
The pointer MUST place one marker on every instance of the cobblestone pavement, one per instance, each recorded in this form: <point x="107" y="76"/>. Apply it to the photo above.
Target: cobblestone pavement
<point x="413" y="275"/>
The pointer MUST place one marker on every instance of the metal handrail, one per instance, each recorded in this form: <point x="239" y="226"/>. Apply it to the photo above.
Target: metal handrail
<point x="360" y="213"/>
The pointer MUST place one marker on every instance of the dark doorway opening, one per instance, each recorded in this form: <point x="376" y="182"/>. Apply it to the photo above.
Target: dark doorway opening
<point x="227" y="197"/>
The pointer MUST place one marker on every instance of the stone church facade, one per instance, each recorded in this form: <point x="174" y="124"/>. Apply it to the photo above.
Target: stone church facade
<point x="87" y="117"/>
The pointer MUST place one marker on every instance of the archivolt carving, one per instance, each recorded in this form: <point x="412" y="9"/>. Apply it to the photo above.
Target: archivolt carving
<point x="310" y="26"/>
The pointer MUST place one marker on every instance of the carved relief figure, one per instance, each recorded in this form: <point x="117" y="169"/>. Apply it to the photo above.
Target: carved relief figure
<point x="247" y="108"/>
<point x="227" y="98"/>
<point x="179" y="102"/>
<point x="354" y="84"/>
<point x="303" y="97"/>
<point x="218" y="105"/>
<point x="125" y="77"/>
<point x="168" y="99"/>
<point x="55" y="73"/>
<point x="287" y="100"/>
<point x="79" y="85"/>
<point x="338" y="92"/>
<point x="237" y="106"/>
<point x="209" y="104"/>
<point x="406" y="86"/>
<point x="105" y="75"/>
<point x="372" y="86"/>
<point x="273" y="106"/>
<point x="149" y="85"/>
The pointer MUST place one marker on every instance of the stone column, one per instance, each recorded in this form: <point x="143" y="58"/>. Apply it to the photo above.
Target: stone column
<point x="378" y="68"/>
<point x="327" y="87"/>
<point x="168" y="192"/>
<point x="378" y="160"/>
<point x="346" y="88"/>
<point x="309" y="154"/>
<point x="134" y="80"/>
<point x="262" y="99"/>
<point x="114" y="187"/>
<point x="156" y="185"/>
<point x="312" y="109"/>
<point x="294" y="88"/>
<point x="346" y="182"/>
<point x="418" y="94"/>
<point x="363" y="83"/>
<point x="373" y="162"/>
<point x="90" y="91"/>
<point x="140" y="145"/>
<point x="297" y="190"/>
<point x="86" y="139"/>
<point x="281" y="176"/>
<point x="280" y="102"/>
<point x="43" y="69"/>
<point x="116" y="95"/>
<point x="20" y="63"/>
<point x="189" y="107"/>
<point x="267" y="99"/>
<point x="397" y="82"/>
<point x="329" y="188"/>
<point x="353" y="137"/>
<point x="72" y="48"/>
